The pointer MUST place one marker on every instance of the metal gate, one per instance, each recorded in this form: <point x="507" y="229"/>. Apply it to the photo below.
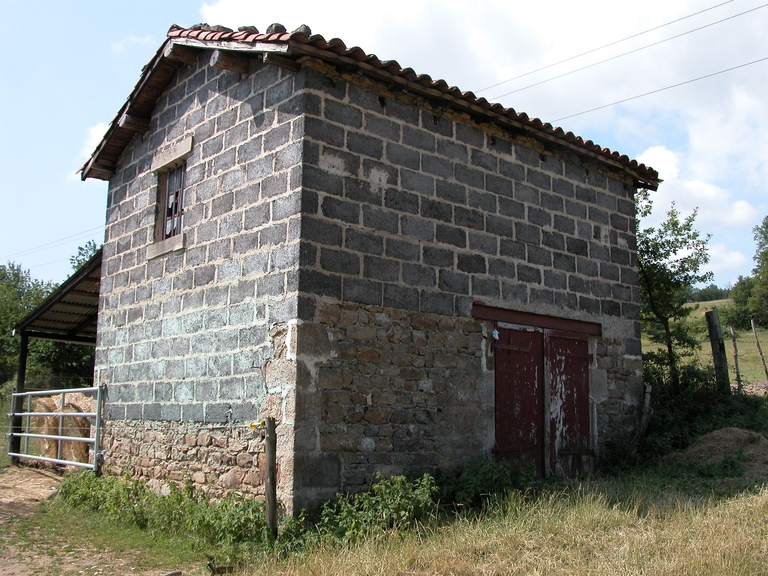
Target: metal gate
<point x="28" y="425"/>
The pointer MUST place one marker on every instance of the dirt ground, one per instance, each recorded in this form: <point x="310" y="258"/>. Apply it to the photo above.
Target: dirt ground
<point x="22" y="489"/>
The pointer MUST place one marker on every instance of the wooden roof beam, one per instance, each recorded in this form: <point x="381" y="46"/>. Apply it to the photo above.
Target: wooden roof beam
<point x="281" y="61"/>
<point x="85" y="340"/>
<point x="182" y="54"/>
<point x="133" y="123"/>
<point x="100" y="171"/>
<point x="84" y="323"/>
<point x="230" y="61"/>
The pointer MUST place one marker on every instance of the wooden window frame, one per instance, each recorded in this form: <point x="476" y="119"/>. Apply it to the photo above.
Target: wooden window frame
<point x="170" y="167"/>
<point x="170" y="203"/>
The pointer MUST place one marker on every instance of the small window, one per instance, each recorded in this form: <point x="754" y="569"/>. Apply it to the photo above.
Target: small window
<point x="170" y="166"/>
<point x="171" y="213"/>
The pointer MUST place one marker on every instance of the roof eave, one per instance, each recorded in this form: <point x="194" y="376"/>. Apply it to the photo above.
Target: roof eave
<point x="102" y="166"/>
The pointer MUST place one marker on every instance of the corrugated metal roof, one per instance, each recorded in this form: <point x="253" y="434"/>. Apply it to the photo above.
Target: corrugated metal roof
<point x="159" y="72"/>
<point x="68" y="314"/>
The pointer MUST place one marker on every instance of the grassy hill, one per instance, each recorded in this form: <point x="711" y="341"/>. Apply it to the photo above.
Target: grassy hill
<point x="750" y="365"/>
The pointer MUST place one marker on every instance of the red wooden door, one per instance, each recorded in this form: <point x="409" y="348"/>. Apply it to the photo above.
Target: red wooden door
<point x="525" y="423"/>
<point x="520" y="397"/>
<point x="568" y="358"/>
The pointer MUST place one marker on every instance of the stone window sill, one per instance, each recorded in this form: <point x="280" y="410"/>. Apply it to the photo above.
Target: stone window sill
<point x="172" y="244"/>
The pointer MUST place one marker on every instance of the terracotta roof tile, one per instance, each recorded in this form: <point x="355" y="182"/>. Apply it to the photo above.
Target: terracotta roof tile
<point x="299" y="44"/>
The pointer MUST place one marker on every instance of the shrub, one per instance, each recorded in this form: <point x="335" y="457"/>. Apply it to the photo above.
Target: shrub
<point x="479" y="480"/>
<point x="682" y="416"/>
<point x="221" y="526"/>
<point x="390" y="504"/>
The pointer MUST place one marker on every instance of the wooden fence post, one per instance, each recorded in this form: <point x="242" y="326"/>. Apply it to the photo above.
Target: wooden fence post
<point x="736" y="359"/>
<point x="759" y="349"/>
<point x="718" y="351"/>
<point x="271" y="479"/>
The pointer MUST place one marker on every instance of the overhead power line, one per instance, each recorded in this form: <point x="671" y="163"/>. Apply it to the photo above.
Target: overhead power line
<point x="660" y="89"/>
<point x="52" y="244"/>
<point x="47" y="263"/>
<point x="630" y="52"/>
<point x="602" y="47"/>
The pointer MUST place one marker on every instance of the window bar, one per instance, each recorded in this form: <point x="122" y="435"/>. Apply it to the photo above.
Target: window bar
<point x="174" y="204"/>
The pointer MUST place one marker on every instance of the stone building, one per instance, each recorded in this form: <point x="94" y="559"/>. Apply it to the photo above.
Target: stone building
<point x="405" y="276"/>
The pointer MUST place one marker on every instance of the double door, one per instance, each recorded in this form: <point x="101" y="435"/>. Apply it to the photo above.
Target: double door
<point x="542" y="400"/>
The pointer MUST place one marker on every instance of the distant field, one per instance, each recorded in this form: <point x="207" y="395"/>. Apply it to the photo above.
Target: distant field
<point x="750" y="366"/>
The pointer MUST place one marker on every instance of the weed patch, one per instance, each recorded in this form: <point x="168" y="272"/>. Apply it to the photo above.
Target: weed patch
<point x="390" y="504"/>
<point x="480" y="480"/>
<point x="228" y="529"/>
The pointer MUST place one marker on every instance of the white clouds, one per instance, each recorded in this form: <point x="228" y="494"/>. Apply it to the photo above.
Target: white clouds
<point x="708" y="139"/>
<point x="716" y="206"/>
<point x="95" y="134"/>
<point x="120" y="46"/>
<point x="727" y="264"/>
<point x="662" y="159"/>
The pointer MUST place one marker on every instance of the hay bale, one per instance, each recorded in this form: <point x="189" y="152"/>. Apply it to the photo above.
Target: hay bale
<point x="76" y="426"/>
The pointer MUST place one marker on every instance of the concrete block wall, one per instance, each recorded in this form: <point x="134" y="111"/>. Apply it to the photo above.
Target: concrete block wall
<point x="199" y="335"/>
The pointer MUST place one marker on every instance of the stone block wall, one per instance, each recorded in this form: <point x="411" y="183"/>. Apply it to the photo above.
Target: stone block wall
<point x="423" y="209"/>
<point x="387" y="390"/>
<point x="415" y="212"/>
<point x="213" y="458"/>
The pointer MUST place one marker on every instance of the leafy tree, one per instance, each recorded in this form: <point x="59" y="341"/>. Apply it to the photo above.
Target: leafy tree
<point x="750" y="294"/>
<point x="738" y="313"/>
<point x="19" y="294"/>
<point x="758" y="301"/>
<point x="670" y="261"/>
<point x="709" y="293"/>
<point x="50" y="364"/>
<point x="84" y="253"/>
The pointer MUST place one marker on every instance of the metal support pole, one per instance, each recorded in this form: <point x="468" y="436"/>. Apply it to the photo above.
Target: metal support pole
<point x="97" y="456"/>
<point x="26" y="424"/>
<point x="271" y="479"/>
<point x="61" y="426"/>
<point x="17" y="405"/>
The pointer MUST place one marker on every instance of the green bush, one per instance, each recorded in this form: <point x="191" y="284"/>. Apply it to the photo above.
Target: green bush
<point x="478" y="481"/>
<point x="682" y="416"/>
<point x="393" y="503"/>
<point x="222" y="525"/>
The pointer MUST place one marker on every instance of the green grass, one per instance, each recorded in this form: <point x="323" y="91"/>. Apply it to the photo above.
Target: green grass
<point x="750" y="365"/>
<point x="59" y="531"/>
<point x="670" y="521"/>
<point x="677" y="519"/>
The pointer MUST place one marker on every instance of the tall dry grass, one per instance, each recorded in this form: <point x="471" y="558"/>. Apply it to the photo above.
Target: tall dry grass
<point x="598" y="530"/>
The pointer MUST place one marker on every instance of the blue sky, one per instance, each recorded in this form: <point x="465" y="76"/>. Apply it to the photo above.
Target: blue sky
<point x="69" y="66"/>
